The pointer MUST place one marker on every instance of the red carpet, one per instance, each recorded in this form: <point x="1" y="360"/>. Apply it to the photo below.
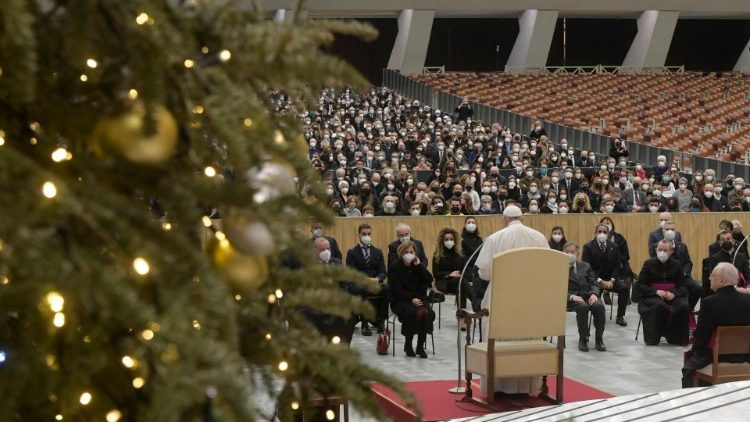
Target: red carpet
<point x="438" y="404"/>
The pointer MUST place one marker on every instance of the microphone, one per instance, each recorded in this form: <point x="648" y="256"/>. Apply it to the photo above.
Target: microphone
<point x="458" y="389"/>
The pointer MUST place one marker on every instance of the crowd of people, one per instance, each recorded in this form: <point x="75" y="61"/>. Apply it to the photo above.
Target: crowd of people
<point x="382" y="154"/>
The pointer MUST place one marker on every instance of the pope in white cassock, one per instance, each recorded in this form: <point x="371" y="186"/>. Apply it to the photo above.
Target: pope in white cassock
<point x="514" y="235"/>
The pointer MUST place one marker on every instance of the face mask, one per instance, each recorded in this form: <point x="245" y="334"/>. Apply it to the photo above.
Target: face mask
<point x="533" y="208"/>
<point x="449" y="244"/>
<point x="601" y="237"/>
<point x="365" y="240"/>
<point x="557" y="237"/>
<point x="455" y="210"/>
<point x="747" y="199"/>
<point x="325" y="255"/>
<point x="662" y="256"/>
<point x="529" y="173"/>
<point x="486" y="189"/>
<point x="571" y="257"/>
<point x="389" y="207"/>
<point x="738" y="187"/>
<point x="603" y="167"/>
<point x="391" y="186"/>
<point x="609" y="208"/>
<point x="578" y="175"/>
<point x="653" y="208"/>
<point x="533" y="189"/>
<point x="562" y="210"/>
<point x="717" y="190"/>
<point x="669" y="235"/>
<point x="661" y="164"/>
<point x="709" y="178"/>
<point x="415" y="213"/>
<point x="727" y="246"/>
<point x="317" y="233"/>
<point x="367" y="214"/>
<point x="555" y="179"/>
<point x="511" y="185"/>
<point x="404" y="239"/>
<point x="552" y="200"/>
<point x="329" y="192"/>
<point x="698" y="178"/>
<point x="708" y="194"/>
<point x="471" y="227"/>
<point x="408" y="258"/>
<point x="563" y="197"/>
<point x="409" y="182"/>
<point x="344" y="190"/>
<point x="683" y="186"/>
<point x="657" y="193"/>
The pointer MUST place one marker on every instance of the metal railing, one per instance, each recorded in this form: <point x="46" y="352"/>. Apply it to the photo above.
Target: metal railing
<point x="579" y="139"/>
<point x="433" y="70"/>
<point x="596" y="70"/>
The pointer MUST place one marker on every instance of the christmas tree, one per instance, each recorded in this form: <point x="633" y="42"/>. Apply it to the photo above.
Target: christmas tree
<point x="124" y="127"/>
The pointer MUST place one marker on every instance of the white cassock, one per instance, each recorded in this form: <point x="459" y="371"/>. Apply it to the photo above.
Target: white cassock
<point x="514" y="236"/>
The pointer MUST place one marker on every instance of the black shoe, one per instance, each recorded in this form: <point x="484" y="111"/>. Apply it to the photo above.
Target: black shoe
<point x="583" y="345"/>
<point x="381" y="328"/>
<point x="600" y="345"/>
<point x="421" y="353"/>
<point x="621" y="321"/>
<point x="409" y="351"/>
<point x="607" y="298"/>
<point x="366" y="329"/>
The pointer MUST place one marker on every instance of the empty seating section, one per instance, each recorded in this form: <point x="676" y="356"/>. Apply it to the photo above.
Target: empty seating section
<point x="704" y="114"/>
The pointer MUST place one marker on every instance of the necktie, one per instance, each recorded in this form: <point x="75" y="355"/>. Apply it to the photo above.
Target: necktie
<point x="637" y="197"/>
<point x="603" y="247"/>
<point x="573" y="271"/>
<point x="366" y="252"/>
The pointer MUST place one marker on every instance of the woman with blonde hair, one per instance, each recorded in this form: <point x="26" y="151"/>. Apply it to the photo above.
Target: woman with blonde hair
<point x="581" y="204"/>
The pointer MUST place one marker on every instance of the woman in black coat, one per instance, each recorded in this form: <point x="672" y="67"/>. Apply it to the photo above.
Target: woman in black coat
<point x="447" y="264"/>
<point x="408" y="282"/>
<point x="557" y="239"/>
<point x="470" y="239"/>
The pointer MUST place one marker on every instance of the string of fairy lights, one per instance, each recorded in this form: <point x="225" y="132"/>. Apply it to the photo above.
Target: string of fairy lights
<point x="55" y="302"/>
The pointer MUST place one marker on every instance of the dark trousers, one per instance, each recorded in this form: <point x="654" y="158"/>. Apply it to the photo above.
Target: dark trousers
<point x="449" y="285"/>
<point x="694" y="363"/>
<point x="664" y="319"/>
<point x="695" y="292"/>
<point x="379" y="302"/>
<point x="582" y="316"/>
<point x="623" y="296"/>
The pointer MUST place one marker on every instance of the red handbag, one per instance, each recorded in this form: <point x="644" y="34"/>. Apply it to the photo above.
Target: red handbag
<point x="384" y="342"/>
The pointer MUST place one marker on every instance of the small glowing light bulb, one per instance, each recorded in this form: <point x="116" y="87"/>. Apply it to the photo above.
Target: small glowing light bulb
<point x="204" y="50"/>
<point x="330" y="415"/>
<point x="225" y="55"/>
<point x="55" y="301"/>
<point x="166" y="226"/>
<point x="141" y="266"/>
<point x="85" y="398"/>
<point x="92" y="63"/>
<point x="271" y="298"/>
<point x="58" y="417"/>
<point x="283" y="366"/>
<point x="209" y="171"/>
<point x="147" y="335"/>
<point x="198" y="109"/>
<point x="295" y="405"/>
<point x="268" y="336"/>
<point x="133" y="94"/>
<point x="207" y="221"/>
<point x="49" y="190"/>
<point x="138" y="382"/>
<point x="247" y="122"/>
<point x="220" y="236"/>
<point x="336" y="340"/>
<point x="2" y="356"/>
<point x="196" y="324"/>
<point x="279" y="293"/>
<point x="188" y="63"/>
<point x="4" y="280"/>
<point x="84" y="78"/>
<point x="128" y="362"/>
<point x="59" y="320"/>
<point x="60" y="154"/>
<point x="142" y="18"/>
<point x="113" y="415"/>
<point x="237" y="298"/>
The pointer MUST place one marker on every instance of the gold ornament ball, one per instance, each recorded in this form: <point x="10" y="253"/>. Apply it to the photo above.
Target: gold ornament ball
<point x="242" y="272"/>
<point x="126" y="136"/>
<point x="247" y="235"/>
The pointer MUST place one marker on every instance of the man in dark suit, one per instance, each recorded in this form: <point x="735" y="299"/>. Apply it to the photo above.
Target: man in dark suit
<point x="681" y="253"/>
<point x="726" y="307"/>
<point x="583" y="297"/>
<point x="328" y="325"/>
<point x="403" y="235"/>
<point x="369" y="260"/>
<point x="728" y="253"/>
<point x="317" y="231"/>
<point x="655" y="236"/>
<point x="635" y="199"/>
<point x="604" y="257"/>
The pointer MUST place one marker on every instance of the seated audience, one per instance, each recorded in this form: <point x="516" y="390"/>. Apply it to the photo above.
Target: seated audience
<point x="317" y="232"/>
<point x="557" y="239"/>
<point x="663" y="301"/>
<point x="369" y="260"/>
<point x="447" y="265"/>
<point x="403" y="235"/>
<point x="726" y="307"/>
<point x="604" y="257"/>
<point x="409" y="280"/>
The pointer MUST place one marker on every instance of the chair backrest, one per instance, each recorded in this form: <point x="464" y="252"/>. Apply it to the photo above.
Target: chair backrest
<point x="732" y="340"/>
<point x="529" y="286"/>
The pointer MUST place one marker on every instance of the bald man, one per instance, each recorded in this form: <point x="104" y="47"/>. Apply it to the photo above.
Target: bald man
<point x="727" y="307"/>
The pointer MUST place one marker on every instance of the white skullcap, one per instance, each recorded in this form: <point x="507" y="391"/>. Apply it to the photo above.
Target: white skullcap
<point x="512" y="211"/>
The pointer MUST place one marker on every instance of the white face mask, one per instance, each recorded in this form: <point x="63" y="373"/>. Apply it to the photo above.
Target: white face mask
<point x="533" y="189"/>
<point x="449" y="244"/>
<point x="557" y="237"/>
<point x="404" y="239"/>
<point x="601" y="237"/>
<point x="653" y="208"/>
<point x="471" y="227"/>
<point x="533" y="208"/>
<point x="555" y="179"/>
<point x="415" y="213"/>
<point x="708" y="194"/>
<point x="563" y="197"/>
<point x="609" y="208"/>
<point x="662" y="256"/>
<point x="662" y="223"/>
<point x="552" y="200"/>
<point x="329" y="192"/>
<point x="325" y="255"/>
<point x="572" y="258"/>
<point x="408" y="258"/>
<point x="344" y="190"/>
<point x="562" y="210"/>
<point x="486" y="207"/>
<point x="669" y="234"/>
<point x="317" y="232"/>
<point x="365" y="240"/>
